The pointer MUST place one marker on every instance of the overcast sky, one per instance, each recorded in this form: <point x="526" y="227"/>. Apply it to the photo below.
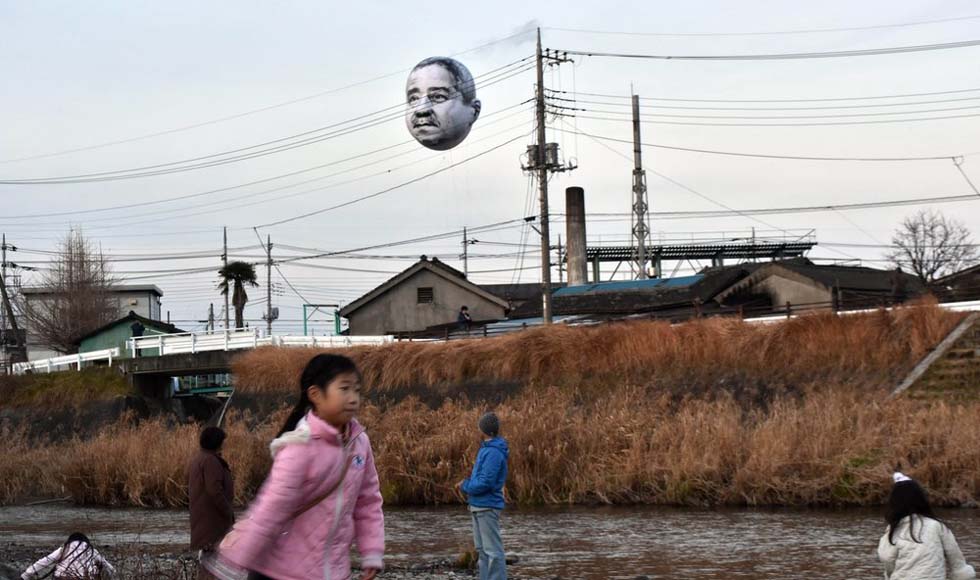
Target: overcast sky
<point x="78" y="75"/>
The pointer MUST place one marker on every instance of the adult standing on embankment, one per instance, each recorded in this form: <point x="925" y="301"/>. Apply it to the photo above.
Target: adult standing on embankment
<point x="211" y="489"/>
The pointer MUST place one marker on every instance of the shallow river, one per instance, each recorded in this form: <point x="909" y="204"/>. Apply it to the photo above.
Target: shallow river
<point x="572" y="543"/>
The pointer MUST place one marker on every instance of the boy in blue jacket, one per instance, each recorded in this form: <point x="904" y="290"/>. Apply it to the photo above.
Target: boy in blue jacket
<point x="485" y="490"/>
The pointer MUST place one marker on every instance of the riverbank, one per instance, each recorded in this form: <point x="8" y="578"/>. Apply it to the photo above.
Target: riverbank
<point x="609" y="543"/>
<point x="710" y="413"/>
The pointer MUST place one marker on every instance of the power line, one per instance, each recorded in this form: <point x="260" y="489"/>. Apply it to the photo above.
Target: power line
<point x="958" y="162"/>
<point x="236" y="204"/>
<point x="811" y="100"/>
<point x="835" y="123"/>
<point x="250" y="112"/>
<point x="774" y="117"/>
<point x="767" y="33"/>
<point x="432" y="237"/>
<point x="237" y="200"/>
<point x="691" y="189"/>
<point x="389" y="189"/>
<point x="189" y="164"/>
<point x="806" y="209"/>
<point x="781" y="56"/>
<point x="627" y="104"/>
<point x="761" y="155"/>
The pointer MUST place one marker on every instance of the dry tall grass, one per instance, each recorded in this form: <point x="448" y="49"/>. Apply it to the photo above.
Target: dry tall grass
<point x="836" y="446"/>
<point x="61" y="389"/>
<point x="602" y="423"/>
<point x="872" y="349"/>
<point x="833" y="447"/>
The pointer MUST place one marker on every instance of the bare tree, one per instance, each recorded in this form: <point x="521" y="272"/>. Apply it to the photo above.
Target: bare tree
<point x="930" y="245"/>
<point x="74" y="296"/>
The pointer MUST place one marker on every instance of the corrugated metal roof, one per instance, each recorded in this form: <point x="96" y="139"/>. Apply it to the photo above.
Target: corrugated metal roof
<point x="630" y="285"/>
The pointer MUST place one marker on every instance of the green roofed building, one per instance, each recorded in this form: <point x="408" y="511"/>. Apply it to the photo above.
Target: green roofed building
<point x="116" y="334"/>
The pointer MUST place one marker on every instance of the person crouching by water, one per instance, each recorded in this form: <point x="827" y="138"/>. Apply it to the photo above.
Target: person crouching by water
<point x="76" y="560"/>
<point x="322" y="494"/>
<point x="485" y="490"/>
<point x="211" y="491"/>
<point x="917" y="545"/>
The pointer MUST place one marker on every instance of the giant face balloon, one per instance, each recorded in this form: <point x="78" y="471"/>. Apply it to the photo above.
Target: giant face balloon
<point x="442" y="104"/>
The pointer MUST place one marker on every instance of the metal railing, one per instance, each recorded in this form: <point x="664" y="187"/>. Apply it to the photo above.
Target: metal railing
<point x="54" y="364"/>
<point x="194" y="342"/>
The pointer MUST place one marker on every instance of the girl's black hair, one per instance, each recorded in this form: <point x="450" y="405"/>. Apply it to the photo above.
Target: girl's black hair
<point x="319" y="372"/>
<point x="74" y="537"/>
<point x="907" y="499"/>
<point x="78" y="537"/>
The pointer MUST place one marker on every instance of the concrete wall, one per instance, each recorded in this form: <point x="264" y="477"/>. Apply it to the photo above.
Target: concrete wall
<point x="783" y="290"/>
<point x="398" y="309"/>
<point x="146" y="304"/>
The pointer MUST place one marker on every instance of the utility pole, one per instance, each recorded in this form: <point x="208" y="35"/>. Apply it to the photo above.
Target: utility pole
<point x="268" y="286"/>
<point x="19" y="353"/>
<point x="224" y="262"/>
<point x="561" y="268"/>
<point x="542" y="168"/>
<point x="542" y="159"/>
<point x="641" y="232"/>
<point x="210" y="326"/>
<point x="466" y="255"/>
<point x="3" y="311"/>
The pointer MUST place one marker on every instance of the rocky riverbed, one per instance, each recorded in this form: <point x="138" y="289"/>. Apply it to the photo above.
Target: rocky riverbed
<point x="137" y="562"/>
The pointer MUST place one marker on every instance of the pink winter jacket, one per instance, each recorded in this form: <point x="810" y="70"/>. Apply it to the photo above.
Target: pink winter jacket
<point x="317" y="544"/>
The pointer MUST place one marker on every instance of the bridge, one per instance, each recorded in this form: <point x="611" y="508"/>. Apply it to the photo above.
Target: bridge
<point x="154" y="360"/>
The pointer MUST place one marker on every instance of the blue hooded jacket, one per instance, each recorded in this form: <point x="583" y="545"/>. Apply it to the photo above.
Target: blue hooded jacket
<point x="485" y="487"/>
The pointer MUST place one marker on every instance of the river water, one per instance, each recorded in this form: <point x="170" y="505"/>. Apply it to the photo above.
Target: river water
<point x="570" y="542"/>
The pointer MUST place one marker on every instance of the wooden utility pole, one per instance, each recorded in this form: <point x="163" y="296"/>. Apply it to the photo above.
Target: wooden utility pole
<point x="268" y="285"/>
<point x="224" y="262"/>
<point x="640" y="230"/>
<point x="466" y="255"/>
<point x="561" y="267"/>
<point x="3" y="311"/>
<point x="19" y="352"/>
<point x="542" y="169"/>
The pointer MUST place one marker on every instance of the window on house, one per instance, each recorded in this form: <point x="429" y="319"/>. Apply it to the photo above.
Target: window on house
<point x="426" y="296"/>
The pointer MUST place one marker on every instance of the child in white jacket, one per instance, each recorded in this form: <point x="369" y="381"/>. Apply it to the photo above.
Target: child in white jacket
<point x="76" y="560"/>
<point x="917" y="545"/>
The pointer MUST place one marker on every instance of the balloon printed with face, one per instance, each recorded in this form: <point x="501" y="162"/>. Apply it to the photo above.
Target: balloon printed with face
<point x="442" y="103"/>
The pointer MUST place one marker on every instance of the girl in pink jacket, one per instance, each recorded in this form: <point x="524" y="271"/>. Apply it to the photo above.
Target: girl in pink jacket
<point x="321" y="495"/>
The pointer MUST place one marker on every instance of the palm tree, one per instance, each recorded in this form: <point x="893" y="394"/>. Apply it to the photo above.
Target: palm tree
<point x="237" y="275"/>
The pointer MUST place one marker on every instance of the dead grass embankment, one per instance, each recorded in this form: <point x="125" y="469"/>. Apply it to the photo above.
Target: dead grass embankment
<point x="692" y="358"/>
<point x="625" y="413"/>
<point x="61" y="389"/>
<point x="832" y="447"/>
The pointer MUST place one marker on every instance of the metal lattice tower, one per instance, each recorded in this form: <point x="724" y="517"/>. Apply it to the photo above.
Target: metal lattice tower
<point x="641" y="231"/>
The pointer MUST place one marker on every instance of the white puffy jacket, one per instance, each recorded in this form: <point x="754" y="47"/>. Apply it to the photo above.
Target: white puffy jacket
<point x="77" y="560"/>
<point x="935" y="555"/>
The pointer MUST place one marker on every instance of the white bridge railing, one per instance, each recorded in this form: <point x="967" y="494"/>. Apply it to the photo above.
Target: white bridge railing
<point x="194" y="342"/>
<point x="69" y="360"/>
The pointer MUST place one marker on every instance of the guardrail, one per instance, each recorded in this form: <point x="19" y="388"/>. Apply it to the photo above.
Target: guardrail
<point x="53" y="364"/>
<point x="194" y="342"/>
<point x="969" y="306"/>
